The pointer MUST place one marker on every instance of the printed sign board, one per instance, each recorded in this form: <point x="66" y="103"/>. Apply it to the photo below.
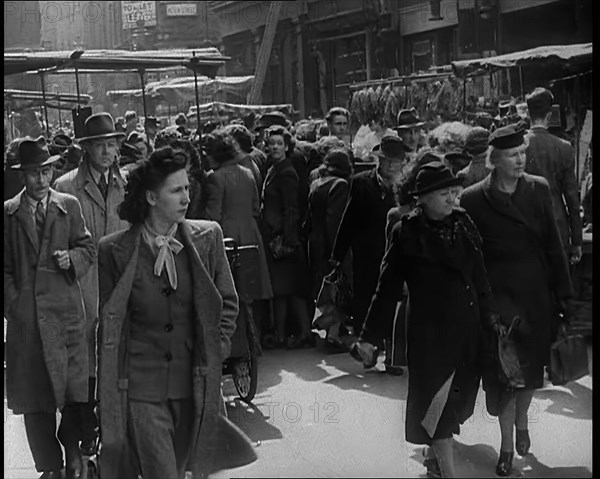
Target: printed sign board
<point x="133" y="12"/>
<point x="182" y="10"/>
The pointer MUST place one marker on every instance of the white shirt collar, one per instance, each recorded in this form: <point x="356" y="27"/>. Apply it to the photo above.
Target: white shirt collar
<point x="33" y="203"/>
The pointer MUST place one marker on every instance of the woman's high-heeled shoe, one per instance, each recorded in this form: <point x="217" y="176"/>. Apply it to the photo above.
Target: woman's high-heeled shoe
<point x="522" y="442"/>
<point x="504" y="466"/>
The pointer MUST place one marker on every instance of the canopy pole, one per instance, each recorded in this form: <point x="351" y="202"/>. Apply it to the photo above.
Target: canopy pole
<point x="77" y="85"/>
<point x="141" y="72"/>
<point x="521" y="81"/>
<point x="194" y="63"/>
<point x="59" y="115"/>
<point x="45" y="105"/>
<point x="464" y="98"/>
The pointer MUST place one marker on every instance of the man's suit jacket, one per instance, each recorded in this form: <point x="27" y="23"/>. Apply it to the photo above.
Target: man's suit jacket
<point x="554" y="159"/>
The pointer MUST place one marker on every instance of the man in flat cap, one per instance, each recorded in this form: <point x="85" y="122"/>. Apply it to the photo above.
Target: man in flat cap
<point x="100" y="188"/>
<point x="47" y="251"/>
<point x="554" y="159"/>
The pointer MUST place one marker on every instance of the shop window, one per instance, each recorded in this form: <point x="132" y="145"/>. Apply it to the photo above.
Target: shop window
<point x="422" y="55"/>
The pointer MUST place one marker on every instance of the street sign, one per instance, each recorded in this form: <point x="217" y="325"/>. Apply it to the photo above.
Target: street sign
<point x="181" y="10"/>
<point x="133" y="12"/>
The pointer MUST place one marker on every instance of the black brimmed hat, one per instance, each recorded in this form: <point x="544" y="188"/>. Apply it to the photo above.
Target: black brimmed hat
<point x="392" y="148"/>
<point x="33" y="154"/>
<point x="434" y="176"/>
<point x="408" y="119"/>
<point x="507" y="137"/>
<point x="100" y="125"/>
<point x="274" y="118"/>
<point x="59" y="144"/>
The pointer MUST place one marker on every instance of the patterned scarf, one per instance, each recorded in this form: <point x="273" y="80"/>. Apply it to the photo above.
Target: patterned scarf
<point x="164" y="246"/>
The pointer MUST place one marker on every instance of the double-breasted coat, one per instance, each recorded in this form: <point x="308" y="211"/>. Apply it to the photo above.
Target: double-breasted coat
<point x="450" y="301"/>
<point x="101" y="218"/>
<point x="46" y="357"/>
<point x="362" y="230"/>
<point x="280" y="216"/>
<point x="526" y="264"/>
<point x="217" y="443"/>
<point x="232" y="201"/>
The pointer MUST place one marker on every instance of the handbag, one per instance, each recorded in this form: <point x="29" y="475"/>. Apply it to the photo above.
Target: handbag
<point x="279" y="250"/>
<point x="568" y="357"/>
<point x="511" y="371"/>
<point x="332" y="301"/>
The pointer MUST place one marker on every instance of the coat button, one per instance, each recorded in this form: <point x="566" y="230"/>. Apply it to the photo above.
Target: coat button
<point x="168" y="328"/>
<point x="468" y="287"/>
<point x="471" y="303"/>
<point x="168" y="356"/>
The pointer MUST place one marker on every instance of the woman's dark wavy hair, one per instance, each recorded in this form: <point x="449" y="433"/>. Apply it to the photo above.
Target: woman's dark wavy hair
<point x="278" y="130"/>
<point x="408" y="182"/>
<point x="337" y="163"/>
<point x="149" y="175"/>
<point x="220" y="146"/>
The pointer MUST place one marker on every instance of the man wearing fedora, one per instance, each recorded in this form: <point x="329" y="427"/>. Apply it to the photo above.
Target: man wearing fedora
<point x="554" y="159"/>
<point x="362" y="228"/>
<point x="409" y="128"/>
<point x="100" y="188"/>
<point x="47" y="250"/>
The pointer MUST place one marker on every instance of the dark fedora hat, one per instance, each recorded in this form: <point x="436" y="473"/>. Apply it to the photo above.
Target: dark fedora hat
<point x="151" y="121"/>
<point x="392" y="148"/>
<point x="100" y="125"/>
<point x="408" y="119"/>
<point x="274" y="118"/>
<point x="434" y="176"/>
<point x="59" y="144"/>
<point x="33" y="154"/>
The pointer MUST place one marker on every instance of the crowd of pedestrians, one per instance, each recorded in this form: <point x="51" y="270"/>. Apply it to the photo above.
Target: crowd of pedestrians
<point x="115" y="239"/>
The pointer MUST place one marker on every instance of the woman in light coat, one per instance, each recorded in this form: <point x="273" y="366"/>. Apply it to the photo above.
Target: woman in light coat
<point x="167" y="312"/>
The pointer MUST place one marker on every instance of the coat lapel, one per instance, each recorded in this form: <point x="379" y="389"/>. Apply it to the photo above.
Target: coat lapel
<point x="23" y="214"/>
<point x="505" y="209"/>
<point x="90" y="186"/>
<point x="56" y="206"/>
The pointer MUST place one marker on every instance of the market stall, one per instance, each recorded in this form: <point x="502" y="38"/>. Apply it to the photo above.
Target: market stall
<point x="218" y="112"/>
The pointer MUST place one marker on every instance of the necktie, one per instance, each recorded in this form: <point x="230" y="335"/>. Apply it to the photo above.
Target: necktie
<point x="103" y="186"/>
<point x="166" y="245"/>
<point x="40" y="219"/>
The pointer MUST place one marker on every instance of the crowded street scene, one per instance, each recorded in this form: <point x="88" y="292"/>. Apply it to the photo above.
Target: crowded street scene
<point x="305" y="238"/>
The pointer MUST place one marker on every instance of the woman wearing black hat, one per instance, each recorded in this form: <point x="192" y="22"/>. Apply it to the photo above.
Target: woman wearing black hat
<point x="436" y="250"/>
<point x="529" y="275"/>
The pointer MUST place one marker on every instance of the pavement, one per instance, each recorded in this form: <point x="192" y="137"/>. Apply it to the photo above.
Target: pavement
<point x="320" y="415"/>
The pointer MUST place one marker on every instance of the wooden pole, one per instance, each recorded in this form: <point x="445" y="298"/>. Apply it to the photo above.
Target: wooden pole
<point x="368" y="47"/>
<point x="265" y="52"/>
<point x="45" y="105"/>
<point x="521" y="82"/>
<point x="464" y="98"/>
<point x="141" y="72"/>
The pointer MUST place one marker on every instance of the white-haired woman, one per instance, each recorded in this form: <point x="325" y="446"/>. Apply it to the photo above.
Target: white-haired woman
<point x="528" y="272"/>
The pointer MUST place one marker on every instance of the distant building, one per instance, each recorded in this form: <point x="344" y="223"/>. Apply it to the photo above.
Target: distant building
<point x="22" y="26"/>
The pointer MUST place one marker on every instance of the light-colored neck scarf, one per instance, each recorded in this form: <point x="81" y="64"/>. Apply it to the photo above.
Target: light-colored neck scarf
<point x="165" y="245"/>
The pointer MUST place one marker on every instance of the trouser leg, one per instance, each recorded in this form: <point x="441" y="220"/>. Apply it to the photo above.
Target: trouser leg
<point x="162" y="436"/>
<point x="44" y="445"/>
<point x="69" y="433"/>
<point x="89" y="421"/>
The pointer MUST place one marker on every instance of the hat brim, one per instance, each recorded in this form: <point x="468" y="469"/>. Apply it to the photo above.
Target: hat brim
<point x="380" y="154"/>
<point x="409" y="126"/>
<point x="52" y="159"/>
<point x="438" y="186"/>
<point x="98" y="137"/>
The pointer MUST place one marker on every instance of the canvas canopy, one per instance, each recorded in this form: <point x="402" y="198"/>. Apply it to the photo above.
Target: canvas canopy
<point x="224" y="112"/>
<point x="561" y="54"/>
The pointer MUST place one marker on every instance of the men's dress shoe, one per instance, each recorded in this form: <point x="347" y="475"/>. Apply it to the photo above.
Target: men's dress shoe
<point x="522" y="442"/>
<point x="394" y="370"/>
<point x="51" y="475"/>
<point x="504" y="466"/>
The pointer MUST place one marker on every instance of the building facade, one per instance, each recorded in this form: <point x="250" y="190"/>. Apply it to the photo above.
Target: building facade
<point x="22" y="26"/>
<point x="321" y="47"/>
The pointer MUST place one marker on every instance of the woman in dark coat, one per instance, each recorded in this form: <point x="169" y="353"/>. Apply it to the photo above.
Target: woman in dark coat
<point x="232" y="201"/>
<point x="327" y="201"/>
<point x="528" y="272"/>
<point x="436" y="250"/>
<point x="280" y="229"/>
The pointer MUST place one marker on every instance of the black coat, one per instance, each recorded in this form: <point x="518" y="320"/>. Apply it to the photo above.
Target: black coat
<point x="281" y="216"/>
<point x="363" y="231"/>
<point x="526" y="265"/>
<point x="449" y="300"/>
